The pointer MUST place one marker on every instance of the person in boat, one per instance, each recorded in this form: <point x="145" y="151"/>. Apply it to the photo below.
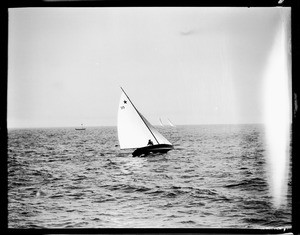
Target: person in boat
<point x="150" y="143"/>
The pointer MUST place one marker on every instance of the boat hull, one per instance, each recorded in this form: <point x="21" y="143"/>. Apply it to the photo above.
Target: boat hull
<point x="158" y="148"/>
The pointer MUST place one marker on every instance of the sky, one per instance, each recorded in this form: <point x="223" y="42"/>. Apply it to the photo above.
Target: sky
<point x="190" y="65"/>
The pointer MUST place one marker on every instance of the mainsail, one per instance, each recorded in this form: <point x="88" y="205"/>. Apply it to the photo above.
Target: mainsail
<point x="134" y="130"/>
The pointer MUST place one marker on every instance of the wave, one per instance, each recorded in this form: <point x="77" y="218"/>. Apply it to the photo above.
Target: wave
<point x="188" y="222"/>
<point x="127" y="188"/>
<point x="100" y="186"/>
<point x="250" y="184"/>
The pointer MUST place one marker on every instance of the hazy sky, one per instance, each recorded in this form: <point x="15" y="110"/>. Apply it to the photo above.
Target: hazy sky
<point x="191" y="65"/>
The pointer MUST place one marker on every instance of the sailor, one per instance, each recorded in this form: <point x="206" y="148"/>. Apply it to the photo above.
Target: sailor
<point x="150" y="142"/>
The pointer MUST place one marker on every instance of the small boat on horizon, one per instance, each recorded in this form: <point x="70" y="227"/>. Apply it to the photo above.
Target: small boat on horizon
<point x="80" y="129"/>
<point x="135" y="131"/>
<point x="169" y="121"/>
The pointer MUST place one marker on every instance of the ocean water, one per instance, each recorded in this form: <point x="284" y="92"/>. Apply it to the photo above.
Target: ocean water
<point x="214" y="178"/>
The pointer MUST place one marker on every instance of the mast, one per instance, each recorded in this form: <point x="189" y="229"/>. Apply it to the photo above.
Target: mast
<point x="140" y="115"/>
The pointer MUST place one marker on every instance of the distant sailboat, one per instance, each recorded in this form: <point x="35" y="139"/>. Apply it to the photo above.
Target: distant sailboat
<point x="161" y="122"/>
<point x="135" y="131"/>
<point x="80" y="129"/>
<point x="171" y="124"/>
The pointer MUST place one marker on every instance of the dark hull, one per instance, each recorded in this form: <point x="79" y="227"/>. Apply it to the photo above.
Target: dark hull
<point x="158" y="148"/>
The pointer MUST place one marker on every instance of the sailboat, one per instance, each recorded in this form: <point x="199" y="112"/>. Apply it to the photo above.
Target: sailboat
<point x="135" y="131"/>
<point x="80" y="129"/>
<point x="171" y="124"/>
<point x="160" y="122"/>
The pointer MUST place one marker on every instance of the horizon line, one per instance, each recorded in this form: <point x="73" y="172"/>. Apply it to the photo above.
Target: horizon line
<point x="93" y="126"/>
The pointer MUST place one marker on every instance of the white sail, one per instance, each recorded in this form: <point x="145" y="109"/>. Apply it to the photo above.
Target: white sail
<point x="161" y="122"/>
<point x="134" y="130"/>
<point x="171" y="124"/>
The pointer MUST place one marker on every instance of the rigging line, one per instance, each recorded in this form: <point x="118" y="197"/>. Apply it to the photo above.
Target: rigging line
<point x="140" y="115"/>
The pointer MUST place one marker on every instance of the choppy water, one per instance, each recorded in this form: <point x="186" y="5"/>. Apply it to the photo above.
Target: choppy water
<point x="215" y="177"/>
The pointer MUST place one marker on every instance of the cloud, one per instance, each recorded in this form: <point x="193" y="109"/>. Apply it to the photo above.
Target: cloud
<point x="187" y="32"/>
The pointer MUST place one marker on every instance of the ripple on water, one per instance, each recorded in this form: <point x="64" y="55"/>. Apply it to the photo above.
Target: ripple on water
<point x="214" y="177"/>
